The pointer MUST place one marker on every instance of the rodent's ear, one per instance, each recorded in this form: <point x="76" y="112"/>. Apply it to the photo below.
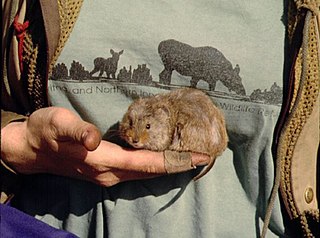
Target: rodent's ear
<point x="164" y="109"/>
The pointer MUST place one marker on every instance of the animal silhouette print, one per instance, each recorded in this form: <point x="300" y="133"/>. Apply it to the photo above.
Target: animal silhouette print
<point x="201" y="63"/>
<point x="109" y="65"/>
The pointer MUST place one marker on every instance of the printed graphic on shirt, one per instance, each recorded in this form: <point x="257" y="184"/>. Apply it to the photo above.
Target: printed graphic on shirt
<point x="206" y="64"/>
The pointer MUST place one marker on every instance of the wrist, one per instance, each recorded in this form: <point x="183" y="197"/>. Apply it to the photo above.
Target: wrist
<point x="9" y="179"/>
<point x="13" y="142"/>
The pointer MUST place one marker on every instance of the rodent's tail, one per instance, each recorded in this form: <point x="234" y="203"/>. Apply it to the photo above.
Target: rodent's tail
<point x="172" y="201"/>
<point x="206" y="169"/>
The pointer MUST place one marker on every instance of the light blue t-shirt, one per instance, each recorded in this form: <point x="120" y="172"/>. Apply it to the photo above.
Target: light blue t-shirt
<point x="120" y="50"/>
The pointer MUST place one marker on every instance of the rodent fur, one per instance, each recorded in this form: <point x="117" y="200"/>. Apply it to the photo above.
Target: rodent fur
<point x="182" y="120"/>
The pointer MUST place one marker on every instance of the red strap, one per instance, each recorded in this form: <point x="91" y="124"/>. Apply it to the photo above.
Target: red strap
<point x="20" y="30"/>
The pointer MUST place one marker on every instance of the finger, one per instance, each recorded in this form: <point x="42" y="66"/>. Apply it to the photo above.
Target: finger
<point x="115" y="157"/>
<point x="177" y="161"/>
<point x="145" y="162"/>
<point x="102" y="176"/>
<point x="116" y="176"/>
<point x="200" y="159"/>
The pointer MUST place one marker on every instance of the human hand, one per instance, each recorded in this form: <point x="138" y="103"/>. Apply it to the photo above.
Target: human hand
<point x="55" y="140"/>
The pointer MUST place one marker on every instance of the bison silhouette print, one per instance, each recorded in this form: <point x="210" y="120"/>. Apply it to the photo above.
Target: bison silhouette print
<point x="201" y="63"/>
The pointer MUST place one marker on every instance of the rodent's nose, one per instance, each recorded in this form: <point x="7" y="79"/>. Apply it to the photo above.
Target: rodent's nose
<point x="135" y="140"/>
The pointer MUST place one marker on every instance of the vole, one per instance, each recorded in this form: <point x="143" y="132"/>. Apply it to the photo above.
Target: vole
<point x="184" y="119"/>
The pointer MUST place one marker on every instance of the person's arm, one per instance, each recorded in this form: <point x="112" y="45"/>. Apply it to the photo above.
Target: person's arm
<point x="55" y="140"/>
<point x="8" y="177"/>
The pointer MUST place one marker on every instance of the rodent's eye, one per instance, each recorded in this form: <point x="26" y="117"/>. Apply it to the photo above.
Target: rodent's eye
<point x="130" y="123"/>
<point x="148" y="126"/>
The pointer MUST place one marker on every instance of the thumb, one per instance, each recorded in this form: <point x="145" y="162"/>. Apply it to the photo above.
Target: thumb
<point x="89" y="136"/>
<point x="71" y="127"/>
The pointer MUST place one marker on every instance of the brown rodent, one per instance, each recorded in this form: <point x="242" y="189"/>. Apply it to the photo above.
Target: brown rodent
<point x="182" y="120"/>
